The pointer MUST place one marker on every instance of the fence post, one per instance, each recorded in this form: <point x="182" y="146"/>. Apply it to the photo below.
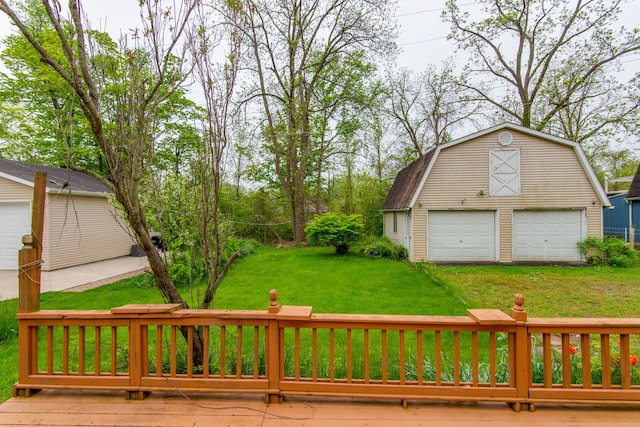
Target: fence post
<point x="29" y="276"/>
<point x="273" y="355"/>
<point x="522" y="358"/>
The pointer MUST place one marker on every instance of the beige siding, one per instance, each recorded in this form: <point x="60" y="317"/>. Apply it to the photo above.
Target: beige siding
<point x="82" y="229"/>
<point x="14" y="191"/>
<point x="551" y="177"/>
<point x="399" y="235"/>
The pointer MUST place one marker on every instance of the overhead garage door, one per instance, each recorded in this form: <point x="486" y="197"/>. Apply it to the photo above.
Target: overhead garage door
<point x="547" y="235"/>
<point x="15" y="221"/>
<point x="461" y="236"/>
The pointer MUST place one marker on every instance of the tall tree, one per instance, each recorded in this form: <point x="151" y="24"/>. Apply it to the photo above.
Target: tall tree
<point x="139" y="80"/>
<point x="426" y="108"/>
<point x="518" y="48"/>
<point x="292" y="44"/>
<point x="44" y="123"/>
<point x="217" y="82"/>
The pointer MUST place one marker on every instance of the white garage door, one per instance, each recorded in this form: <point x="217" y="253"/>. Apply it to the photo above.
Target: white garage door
<point x="547" y="235"/>
<point x="461" y="236"/>
<point x="15" y="221"/>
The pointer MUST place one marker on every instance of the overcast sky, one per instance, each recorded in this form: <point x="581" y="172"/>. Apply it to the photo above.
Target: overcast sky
<point x="422" y="34"/>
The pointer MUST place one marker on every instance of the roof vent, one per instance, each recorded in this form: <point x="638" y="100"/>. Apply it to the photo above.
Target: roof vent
<point x="505" y="139"/>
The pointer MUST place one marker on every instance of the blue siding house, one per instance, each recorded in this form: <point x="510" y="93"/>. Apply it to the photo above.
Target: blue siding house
<point x="625" y="213"/>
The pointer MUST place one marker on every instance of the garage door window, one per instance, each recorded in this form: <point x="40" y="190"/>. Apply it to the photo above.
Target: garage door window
<point x="505" y="172"/>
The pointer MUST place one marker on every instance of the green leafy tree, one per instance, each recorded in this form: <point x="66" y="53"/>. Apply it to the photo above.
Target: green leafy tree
<point x="542" y="62"/>
<point x="292" y="45"/>
<point x="335" y="230"/>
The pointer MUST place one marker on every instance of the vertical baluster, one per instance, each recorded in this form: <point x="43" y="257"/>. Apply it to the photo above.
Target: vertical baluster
<point x="223" y="350"/>
<point x="349" y="357"/>
<point x="403" y="378"/>
<point x="585" y="346"/>
<point x="366" y="357"/>
<point x="114" y="350"/>
<point x="625" y="362"/>
<point x="456" y="358"/>
<point x="566" y="361"/>
<point x="332" y="354"/>
<point x="173" y="352"/>
<point x="65" y="350"/>
<point x="438" y="358"/>
<point x="239" y="353"/>
<point x="474" y="357"/>
<point x="205" y="355"/>
<point x="189" y="351"/>
<point x="81" y="349"/>
<point x="159" y="351"/>
<point x="384" y="356"/>
<point x="547" y="360"/>
<point x="144" y="347"/>
<point x="314" y="356"/>
<point x="419" y="357"/>
<point x="297" y="354"/>
<point x="50" y="350"/>
<point x="256" y="352"/>
<point x="97" y="347"/>
<point x="492" y="358"/>
<point x="605" y="350"/>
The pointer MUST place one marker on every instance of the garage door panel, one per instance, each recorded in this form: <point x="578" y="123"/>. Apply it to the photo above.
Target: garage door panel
<point x="547" y="235"/>
<point x="461" y="236"/>
<point x="15" y="218"/>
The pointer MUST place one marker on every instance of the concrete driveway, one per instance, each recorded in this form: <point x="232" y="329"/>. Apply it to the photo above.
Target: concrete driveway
<point x="74" y="279"/>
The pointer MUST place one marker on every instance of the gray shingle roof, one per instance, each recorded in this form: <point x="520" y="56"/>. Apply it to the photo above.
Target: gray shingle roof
<point x="406" y="183"/>
<point x="634" y="190"/>
<point x="58" y="179"/>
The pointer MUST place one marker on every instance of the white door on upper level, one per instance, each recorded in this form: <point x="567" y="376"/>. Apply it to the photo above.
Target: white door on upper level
<point x="461" y="236"/>
<point x="547" y="235"/>
<point x="15" y="221"/>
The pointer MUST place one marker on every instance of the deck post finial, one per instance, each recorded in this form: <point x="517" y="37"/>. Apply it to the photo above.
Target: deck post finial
<point x="517" y="311"/>
<point x="274" y="306"/>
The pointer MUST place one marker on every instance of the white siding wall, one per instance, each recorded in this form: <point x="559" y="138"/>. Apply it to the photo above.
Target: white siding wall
<point x="82" y="229"/>
<point x="551" y="178"/>
<point x="13" y="191"/>
<point x="401" y="235"/>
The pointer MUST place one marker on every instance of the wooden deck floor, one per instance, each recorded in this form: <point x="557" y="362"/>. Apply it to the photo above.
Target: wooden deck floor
<point x="63" y="408"/>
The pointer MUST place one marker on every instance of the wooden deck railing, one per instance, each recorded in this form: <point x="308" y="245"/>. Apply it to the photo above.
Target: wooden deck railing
<point x="485" y="356"/>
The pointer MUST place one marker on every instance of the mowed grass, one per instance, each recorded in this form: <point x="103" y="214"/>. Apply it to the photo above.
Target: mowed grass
<point x="549" y="291"/>
<point x="355" y="284"/>
<point x="334" y="284"/>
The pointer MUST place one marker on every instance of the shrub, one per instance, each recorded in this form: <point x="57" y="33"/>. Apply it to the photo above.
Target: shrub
<point x="610" y="251"/>
<point x="335" y="230"/>
<point x="382" y="247"/>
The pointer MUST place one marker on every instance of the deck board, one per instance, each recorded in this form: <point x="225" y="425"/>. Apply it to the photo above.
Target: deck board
<point x="74" y="408"/>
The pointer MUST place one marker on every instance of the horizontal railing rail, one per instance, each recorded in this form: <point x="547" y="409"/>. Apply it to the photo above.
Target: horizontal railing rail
<point x="290" y="351"/>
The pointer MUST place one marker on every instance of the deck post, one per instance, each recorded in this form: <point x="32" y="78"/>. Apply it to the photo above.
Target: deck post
<point x="521" y="357"/>
<point x="29" y="276"/>
<point x="273" y="350"/>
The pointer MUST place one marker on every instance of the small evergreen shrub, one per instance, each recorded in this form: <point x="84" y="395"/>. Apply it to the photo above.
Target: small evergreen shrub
<point x="337" y="230"/>
<point x="382" y="247"/>
<point x="610" y="251"/>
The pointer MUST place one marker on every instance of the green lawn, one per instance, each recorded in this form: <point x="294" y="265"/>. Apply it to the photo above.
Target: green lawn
<point x="355" y="284"/>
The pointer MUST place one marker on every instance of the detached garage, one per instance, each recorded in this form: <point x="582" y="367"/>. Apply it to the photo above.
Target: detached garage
<point x="547" y="235"/>
<point x="80" y="225"/>
<point x="506" y="194"/>
<point x="462" y="236"/>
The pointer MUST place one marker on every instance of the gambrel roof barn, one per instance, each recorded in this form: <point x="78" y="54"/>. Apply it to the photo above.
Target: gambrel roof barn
<point x="506" y="194"/>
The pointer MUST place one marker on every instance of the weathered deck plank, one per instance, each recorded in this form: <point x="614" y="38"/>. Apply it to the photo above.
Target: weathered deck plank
<point x="62" y="408"/>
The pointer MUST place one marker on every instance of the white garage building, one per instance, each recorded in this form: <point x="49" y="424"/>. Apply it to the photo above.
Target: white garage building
<point x="80" y="226"/>
<point x="507" y="194"/>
